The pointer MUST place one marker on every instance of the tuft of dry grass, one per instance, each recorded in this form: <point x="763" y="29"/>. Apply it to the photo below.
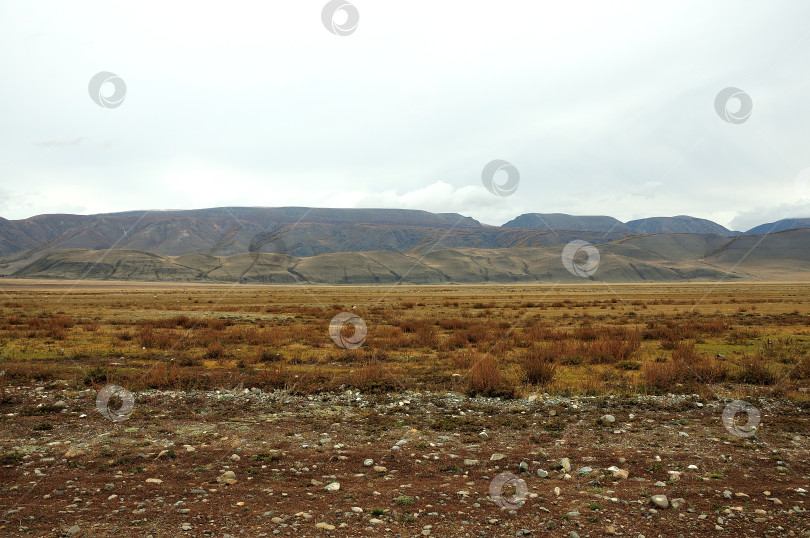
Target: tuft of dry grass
<point x="538" y="366"/>
<point x="753" y="370"/>
<point x="485" y="379"/>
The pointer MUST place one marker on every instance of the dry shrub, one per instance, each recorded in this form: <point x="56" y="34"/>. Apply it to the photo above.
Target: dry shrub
<point x="607" y="350"/>
<point x="463" y="359"/>
<point x="215" y="350"/>
<point x="269" y="337"/>
<point x="163" y="376"/>
<point x="310" y="382"/>
<point x="801" y="369"/>
<point x="664" y="376"/>
<point x="160" y="323"/>
<point x="215" y="324"/>
<point x="269" y="355"/>
<point x="62" y="322"/>
<point x="685" y="351"/>
<point x="125" y="336"/>
<point x="413" y="325"/>
<point x="542" y="333"/>
<point x="710" y="371"/>
<point x="538" y="367"/>
<point x="587" y="333"/>
<point x="714" y="327"/>
<point x="479" y="332"/>
<point x="753" y="370"/>
<point x="57" y="333"/>
<point x="427" y="337"/>
<point x="457" y="339"/>
<point x="246" y="361"/>
<point x="687" y="367"/>
<point x="671" y="332"/>
<point x="184" y="322"/>
<point x="274" y="377"/>
<point x="485" y="379"/>
<point x="372" y="377"/>
<point x="452" y="324"/>
<point x="188" y="360"/>
<point x="567" y="352"/>
<point x="90" y="325"/>
<point x="160" y="339"/>
<point x="741" y="336"/>
<point x="391" y="338"/>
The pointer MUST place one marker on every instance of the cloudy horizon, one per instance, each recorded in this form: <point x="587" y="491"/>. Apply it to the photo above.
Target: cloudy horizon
<point x="604" y="109"/>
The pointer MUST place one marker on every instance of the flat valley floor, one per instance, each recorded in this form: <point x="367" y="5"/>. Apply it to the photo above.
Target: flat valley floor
<point x="212" y="410"/>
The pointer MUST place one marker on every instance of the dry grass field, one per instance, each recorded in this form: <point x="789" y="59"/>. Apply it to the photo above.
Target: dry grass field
<point x="493" y="341"/>
<point x="451" y="386"/>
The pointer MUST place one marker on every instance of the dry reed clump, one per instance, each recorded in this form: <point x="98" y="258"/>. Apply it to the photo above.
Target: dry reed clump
<point x="485" y="379"/>
<point x="273" y="377"/>
<point x="373" y="377"/>
<point x="687" y="368"/>
<point x="159" y="338"/>
<point x="753" y="370"/>
<point x="538" y="366"/>
<point x="612" y="347"/>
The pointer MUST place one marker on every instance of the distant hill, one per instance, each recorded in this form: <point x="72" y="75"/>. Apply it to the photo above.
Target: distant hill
<point x="780" y="226"/>
<point x="678" y="224"/>
<point x="296" y="231"/>
<point x="644" y="258"/>
<point x="561" y="221"/>
<point x="317" y="245"/>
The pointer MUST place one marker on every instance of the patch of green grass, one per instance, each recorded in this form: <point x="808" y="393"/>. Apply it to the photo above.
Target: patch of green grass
<point x="10" y="458"/>
<point x="404" y="500"/>
<point x="267" y="456"/>
<point x="556" y="426"/>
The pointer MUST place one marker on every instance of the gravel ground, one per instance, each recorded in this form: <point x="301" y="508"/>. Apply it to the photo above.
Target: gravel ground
<point x="249" y="463"/>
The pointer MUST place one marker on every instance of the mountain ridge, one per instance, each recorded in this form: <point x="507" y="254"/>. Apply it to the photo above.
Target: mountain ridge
<point x="640" y="258"/>
<point x="222" y="235"/>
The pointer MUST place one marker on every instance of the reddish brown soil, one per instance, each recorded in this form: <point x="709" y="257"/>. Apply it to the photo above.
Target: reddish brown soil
<point x="290" y="447"/>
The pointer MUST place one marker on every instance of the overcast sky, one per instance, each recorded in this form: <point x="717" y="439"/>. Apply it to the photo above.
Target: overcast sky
<point x="602" y="107"/>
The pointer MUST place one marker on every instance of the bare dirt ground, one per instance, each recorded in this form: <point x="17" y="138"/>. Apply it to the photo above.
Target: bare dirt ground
<point x="412" y="464"/>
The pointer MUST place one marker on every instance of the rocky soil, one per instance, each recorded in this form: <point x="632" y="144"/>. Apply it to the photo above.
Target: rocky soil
<point x="250" y="463"/>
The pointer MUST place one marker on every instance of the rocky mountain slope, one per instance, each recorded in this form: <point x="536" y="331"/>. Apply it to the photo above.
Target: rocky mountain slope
<point x="382" y="246"/>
